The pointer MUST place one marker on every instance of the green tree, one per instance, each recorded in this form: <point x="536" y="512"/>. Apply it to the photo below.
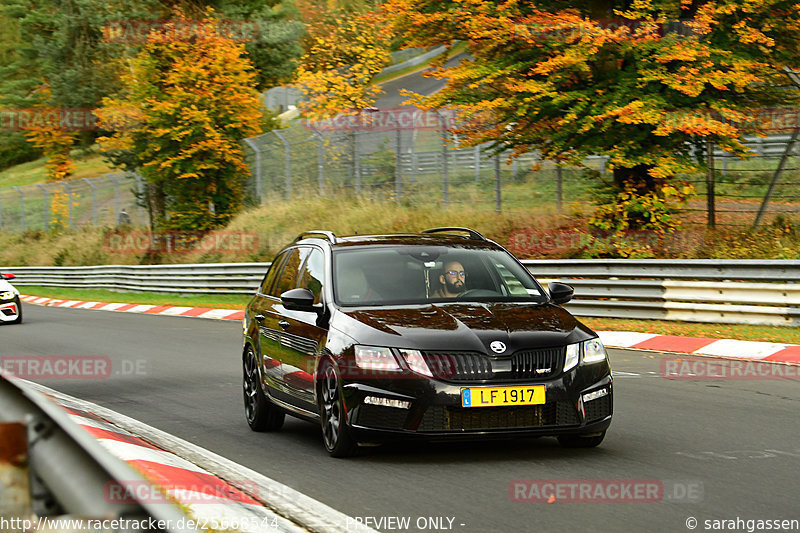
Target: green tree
<point x="188" y="104"/>
<point x="14" y="148"/>
<point x="60" y="45"/>
<point x="272" y="33"/>
<point x="68" y="47"/>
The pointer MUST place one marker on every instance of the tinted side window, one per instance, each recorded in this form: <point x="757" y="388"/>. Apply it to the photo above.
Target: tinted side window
<point x="289" y="273"/>
<point x="272" y="273"/>
<point x="312" y="277"/>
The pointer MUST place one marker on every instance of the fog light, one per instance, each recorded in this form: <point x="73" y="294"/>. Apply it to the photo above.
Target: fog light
<point x="589" y="396"/>
<point x="386" y="402"/>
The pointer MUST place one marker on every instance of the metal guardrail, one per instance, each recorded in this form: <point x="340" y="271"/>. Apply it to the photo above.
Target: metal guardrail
<point x="696" y="290"/>
<point x="220" y="278"/>
<point x="71" y="471"/>
<point x="692" y="290"/>
<point x="690" y="269"/>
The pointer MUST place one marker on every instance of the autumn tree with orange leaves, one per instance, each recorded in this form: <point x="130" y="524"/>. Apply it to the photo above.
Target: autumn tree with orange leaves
<point x="648" y="83"/>
<point x="346" y="47"/>
<point x="190" y="101"/>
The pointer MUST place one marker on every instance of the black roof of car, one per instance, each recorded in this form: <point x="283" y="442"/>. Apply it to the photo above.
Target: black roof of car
<point x="431" y="236"/>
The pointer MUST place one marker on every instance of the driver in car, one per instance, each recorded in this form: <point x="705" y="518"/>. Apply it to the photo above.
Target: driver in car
<point x="453" y="280"/>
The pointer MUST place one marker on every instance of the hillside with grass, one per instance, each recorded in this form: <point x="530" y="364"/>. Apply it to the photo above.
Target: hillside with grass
<point x="88" y="164"/>
<point x="529" y="232"/>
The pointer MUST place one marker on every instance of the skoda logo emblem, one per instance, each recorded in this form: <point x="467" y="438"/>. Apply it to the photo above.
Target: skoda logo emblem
<point x="498" y="347"/>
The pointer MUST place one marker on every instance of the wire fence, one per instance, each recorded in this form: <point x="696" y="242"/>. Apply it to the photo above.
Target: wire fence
<point x="410" y="156"/>
<point x="752" y="191"/>
<point x="400" y="154"/>
<point x="107" y="200"/>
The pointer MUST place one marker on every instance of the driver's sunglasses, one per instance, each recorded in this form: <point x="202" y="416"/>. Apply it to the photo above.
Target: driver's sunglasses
<point x="455" y="273"/>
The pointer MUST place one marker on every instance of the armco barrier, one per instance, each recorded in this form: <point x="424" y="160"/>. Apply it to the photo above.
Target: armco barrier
<point x="71" y="469"/>
<point x="763" y="292"/>
<point x="220" y="278"/>
<point x="697" y="290"/>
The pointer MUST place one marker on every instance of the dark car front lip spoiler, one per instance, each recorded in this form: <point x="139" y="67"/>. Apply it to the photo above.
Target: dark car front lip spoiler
<point x="366" y="434"/>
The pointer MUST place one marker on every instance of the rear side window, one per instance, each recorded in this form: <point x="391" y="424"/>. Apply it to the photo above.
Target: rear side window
<point x="272" y="273"/>
<point x="312" y="275"/>
<point x="290" y="272"/>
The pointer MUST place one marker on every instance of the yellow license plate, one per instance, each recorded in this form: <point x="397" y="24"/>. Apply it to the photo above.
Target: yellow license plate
<point x="494" y="396"/>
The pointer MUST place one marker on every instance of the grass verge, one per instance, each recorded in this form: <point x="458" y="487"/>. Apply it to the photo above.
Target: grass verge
<point x="86" y="166"/>
<point x="661" y="327"/>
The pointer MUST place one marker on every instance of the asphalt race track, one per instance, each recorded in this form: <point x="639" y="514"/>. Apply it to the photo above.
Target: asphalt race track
<point x="726" y="449"/>
<point x="415" y="82"/>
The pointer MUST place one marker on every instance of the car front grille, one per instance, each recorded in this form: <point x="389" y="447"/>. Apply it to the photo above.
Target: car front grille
<point x="439" y="418"/>
<point x="566" y="414"/>
<point x="537" y="364"/>
<point x="526" y="365"/>
<point x="459" y="366"/>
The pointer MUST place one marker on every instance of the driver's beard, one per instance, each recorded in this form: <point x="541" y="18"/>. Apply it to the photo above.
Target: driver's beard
<point x="454" y="288"/>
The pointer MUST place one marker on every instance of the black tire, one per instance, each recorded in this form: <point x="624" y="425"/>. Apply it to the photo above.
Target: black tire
<point x="260" y="413"/>
<point x="336" y="435"/>
<point x="17" y="320"/>
<point x="581" y="441"/>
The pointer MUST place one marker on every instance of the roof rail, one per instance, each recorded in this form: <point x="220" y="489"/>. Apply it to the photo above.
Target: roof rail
<point x="472" y="233"/>
<point x="328" y="235"/>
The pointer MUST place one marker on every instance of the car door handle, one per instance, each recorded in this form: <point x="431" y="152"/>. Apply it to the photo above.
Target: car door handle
<point x="284" y="324"/>
<point x="260" y="318"/>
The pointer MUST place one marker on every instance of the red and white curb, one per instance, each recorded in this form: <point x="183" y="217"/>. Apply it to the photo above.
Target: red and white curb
<point x="169" y="310"/>
<point x="231" y="498"/>
<point x="728" y="348"/>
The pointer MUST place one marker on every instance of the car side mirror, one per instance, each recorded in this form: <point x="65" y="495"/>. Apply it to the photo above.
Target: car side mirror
<point x="9" y="276"/>
<point x="560" y="293"/>
<point x="299" y="300"/>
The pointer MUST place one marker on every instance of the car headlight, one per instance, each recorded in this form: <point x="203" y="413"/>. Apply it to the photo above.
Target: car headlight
<point x="573" y="354"/>
<point x="8" y="295"/>
<point x="375" y="358"/>
<point x="416" y="362"/>
<point x="593" y="352"/>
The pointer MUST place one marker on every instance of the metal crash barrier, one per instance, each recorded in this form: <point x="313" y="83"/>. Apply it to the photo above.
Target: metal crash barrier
<point x="765" y="292"/>
<point x="697" y="290"/>
<point x="55" y="476"/>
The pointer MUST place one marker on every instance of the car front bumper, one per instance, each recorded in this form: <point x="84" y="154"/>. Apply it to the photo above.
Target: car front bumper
<point x="9" y="310"/>
<point x="428" y="408"/>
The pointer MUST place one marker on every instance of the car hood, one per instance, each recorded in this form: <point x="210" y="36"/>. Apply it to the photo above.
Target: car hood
<point x="463" y="326"/>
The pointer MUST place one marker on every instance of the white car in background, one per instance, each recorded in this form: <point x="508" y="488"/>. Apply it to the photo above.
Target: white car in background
<point x="10" y="306"/>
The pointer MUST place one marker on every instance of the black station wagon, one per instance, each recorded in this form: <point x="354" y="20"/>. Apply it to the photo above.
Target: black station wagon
<point x="437" y="335"/>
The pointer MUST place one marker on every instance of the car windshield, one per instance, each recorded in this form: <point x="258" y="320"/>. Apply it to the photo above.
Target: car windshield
<point x="379" y="275"/>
